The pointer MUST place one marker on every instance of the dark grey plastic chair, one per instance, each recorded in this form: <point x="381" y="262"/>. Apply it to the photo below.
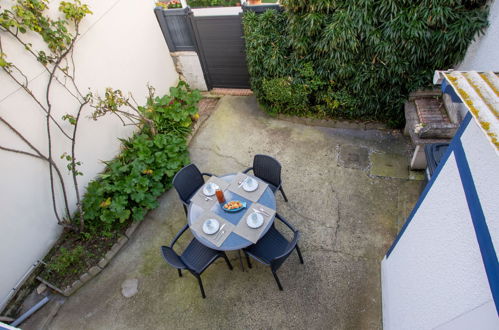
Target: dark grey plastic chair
<point x="273" y="249"/>
<point x="268" y="169"/>
<point x="195" y="258"/>
<point x="187" y="181"/>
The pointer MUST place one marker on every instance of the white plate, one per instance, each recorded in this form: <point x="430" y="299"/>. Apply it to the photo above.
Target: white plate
<point x="211" y="226"/>
<point x="210" y="188"/>
<point x="250" y="184"/>
<point x="254" y="220"/>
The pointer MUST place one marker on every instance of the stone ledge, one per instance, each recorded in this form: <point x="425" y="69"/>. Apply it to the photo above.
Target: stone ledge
<point x="96" y="269"/>
<point x="424" y="93"/>
<point x="203" y="116"/>
<point x="129" y="232"/>
<point x="103" y="263"/>
<point x="72" y="289"/>
<point x="85" y="277"/>
<point x="116" y="248"/>
<point x="53" y="287"/>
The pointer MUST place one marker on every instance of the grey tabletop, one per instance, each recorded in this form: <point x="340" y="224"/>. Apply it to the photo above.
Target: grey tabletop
<point x="233" y="241"/>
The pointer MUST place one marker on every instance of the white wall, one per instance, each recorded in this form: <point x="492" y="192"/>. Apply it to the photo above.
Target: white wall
<point x="483" y="53"/>
<point x="435" y="278"/>
<point x="121" y="46"/>
<point x="217" y="11"/>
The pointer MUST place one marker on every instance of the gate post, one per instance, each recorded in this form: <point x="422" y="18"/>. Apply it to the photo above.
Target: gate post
<point x="177" y="28"/>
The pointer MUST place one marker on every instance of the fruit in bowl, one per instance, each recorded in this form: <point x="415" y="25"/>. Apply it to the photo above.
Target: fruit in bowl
<point x="233" y="206"/>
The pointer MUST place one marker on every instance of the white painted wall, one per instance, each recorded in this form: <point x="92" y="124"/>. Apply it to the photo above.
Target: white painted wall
<point x="189" y="68"/>
<point x="483" y="53"/>
<point x="217" y="11"/>
<point x="121" y="46"/>
<point x="435" y="278"/>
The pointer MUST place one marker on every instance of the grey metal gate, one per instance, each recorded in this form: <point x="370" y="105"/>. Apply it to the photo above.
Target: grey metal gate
<point x="218" y="40"/>
<point x="221" y="50"/>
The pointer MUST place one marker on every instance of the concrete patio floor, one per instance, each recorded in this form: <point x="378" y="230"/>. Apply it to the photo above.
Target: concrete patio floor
<point x="349" y="192"/>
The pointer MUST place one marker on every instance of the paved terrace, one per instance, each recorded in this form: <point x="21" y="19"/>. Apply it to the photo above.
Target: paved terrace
<point x="349" y="193"/>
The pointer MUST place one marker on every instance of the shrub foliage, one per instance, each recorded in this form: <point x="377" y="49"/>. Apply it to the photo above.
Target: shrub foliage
<point x="355" y="59"/>
<point x="132" y="182"/>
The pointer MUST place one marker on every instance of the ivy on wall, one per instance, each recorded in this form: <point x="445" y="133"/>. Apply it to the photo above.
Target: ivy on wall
<point x="355" y="59"/>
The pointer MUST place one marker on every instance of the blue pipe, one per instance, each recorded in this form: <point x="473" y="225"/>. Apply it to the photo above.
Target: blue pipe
<point x="30" y="311"/>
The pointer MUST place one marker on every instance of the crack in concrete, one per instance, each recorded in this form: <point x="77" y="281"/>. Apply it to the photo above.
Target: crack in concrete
<point x="338" y="215"/>
<point x="318" y="220"/>
<point x="342" y="253"/>
<point x="220" y="155"/>
<point x="302" y="215"/>
<point x="357" y="257"/>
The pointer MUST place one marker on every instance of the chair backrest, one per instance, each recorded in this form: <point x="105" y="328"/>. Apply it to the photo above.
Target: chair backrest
<point x="278" y="261"/>
<point x="187" y="181"/>
<point x="268" y="169"/>
<point x="172" y="257"/>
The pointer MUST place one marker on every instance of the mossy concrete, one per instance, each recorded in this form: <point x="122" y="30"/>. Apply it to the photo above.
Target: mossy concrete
<point x="389" y="165"/>
<point x="348" y="219"/>
<point x="353" y="157"/>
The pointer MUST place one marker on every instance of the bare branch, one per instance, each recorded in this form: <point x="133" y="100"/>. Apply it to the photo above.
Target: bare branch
<point x="22" y="152"/>
<point x="74" y="163"/>
<point x="33" y="96"/>
<point x="49" y="109"/>
<point x="41" y="156"/>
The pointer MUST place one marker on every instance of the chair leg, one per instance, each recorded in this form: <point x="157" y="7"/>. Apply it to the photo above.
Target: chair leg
<point x="201" y="286"/>
<point x="227" y="261"/>
<point x="179" y="273"/>
<point x="185" y="209"/>
<point x="283" y="194"/>
<point x="240" y="260"/>
<point x="277" y="280"/>
<point x="299" y="253"/>
<point x="248" y="259"/>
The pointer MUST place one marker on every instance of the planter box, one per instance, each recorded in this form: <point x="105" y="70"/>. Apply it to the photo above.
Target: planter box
<point x="94" y="270"/>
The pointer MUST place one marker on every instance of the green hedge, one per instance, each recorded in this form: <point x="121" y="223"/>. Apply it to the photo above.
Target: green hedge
<point x="355" y="59"/>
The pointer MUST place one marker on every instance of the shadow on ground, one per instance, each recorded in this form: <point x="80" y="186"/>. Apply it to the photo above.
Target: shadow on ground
<point x="349" y="192"/>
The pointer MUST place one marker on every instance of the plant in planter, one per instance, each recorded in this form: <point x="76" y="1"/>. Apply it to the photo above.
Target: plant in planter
<point x="130" y="184"/>
<point x="261" y="2"/>
<point x="171" y="4"/>
<point x="213" y="3"/>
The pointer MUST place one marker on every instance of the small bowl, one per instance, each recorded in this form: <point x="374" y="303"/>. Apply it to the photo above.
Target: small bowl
<point x="234" y="210"/>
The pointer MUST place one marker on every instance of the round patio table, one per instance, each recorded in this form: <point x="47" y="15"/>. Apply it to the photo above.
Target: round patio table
<point x="233" y="241"/>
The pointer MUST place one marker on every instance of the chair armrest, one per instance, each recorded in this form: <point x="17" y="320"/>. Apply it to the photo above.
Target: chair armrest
<point x="288" y="251"/>
<point x="178" y="235"/>
<point x="207" y="174"/>
<point x="290" y="226"/>
<point x="247" y="170"/>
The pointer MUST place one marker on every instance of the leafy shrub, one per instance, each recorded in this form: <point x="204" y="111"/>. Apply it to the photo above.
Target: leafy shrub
<point x="365" y="56"/>
<point x="284" y="93"/>
<point x="132" y="182"/>
<point x="213" y="3"/>
<point x="173" y="112"/>
<point x="68" y="261"/>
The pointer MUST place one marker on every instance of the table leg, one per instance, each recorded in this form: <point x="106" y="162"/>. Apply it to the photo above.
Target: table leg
<point x="240" y="260"/>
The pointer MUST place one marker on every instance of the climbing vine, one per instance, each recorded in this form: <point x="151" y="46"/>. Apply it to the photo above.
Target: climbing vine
<point x="19" y="23"/>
